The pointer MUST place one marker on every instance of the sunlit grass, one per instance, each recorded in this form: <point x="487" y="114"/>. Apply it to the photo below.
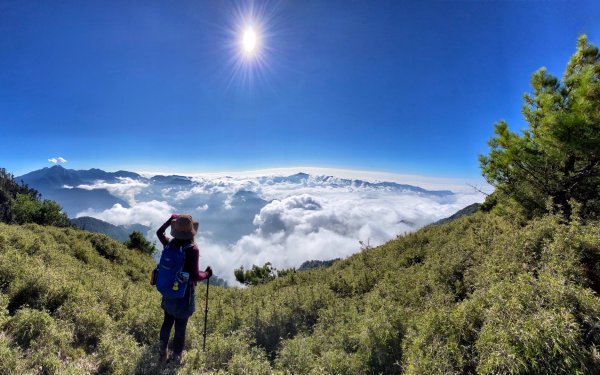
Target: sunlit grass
<point x="450" y="298"/>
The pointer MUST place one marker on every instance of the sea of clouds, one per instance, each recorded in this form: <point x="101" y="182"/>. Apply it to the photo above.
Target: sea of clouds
<point x="285" y="220"/>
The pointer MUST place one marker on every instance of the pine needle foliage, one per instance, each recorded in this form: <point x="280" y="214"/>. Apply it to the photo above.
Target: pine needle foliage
<point x="557" y="158"/>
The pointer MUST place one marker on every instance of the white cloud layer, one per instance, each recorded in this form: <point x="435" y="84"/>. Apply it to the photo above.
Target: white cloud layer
<point x="304" y="227"/>
<point x="58" y="160"/>
<point x="127" y="188"/>
<point x="300" y="218"/>
<point x="428" y="182"/>
<point x="152" y="213"/>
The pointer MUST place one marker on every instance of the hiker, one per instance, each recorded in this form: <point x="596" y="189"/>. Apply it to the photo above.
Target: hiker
<point x="177" y="311"/>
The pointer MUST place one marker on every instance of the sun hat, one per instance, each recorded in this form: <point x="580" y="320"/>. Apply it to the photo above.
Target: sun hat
<point x="184" y="227"/>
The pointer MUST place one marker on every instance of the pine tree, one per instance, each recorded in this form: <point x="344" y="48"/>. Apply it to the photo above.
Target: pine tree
<point x="139" y="242"/>
<point x="557" y="159"/>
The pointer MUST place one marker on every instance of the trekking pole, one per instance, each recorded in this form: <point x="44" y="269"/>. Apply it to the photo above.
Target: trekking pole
<point x="205" y="316"/>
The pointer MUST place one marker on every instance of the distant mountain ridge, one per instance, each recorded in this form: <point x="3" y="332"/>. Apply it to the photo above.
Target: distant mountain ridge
<point x="78" y="191"/>
<point x="58" y="176"/>
<point x="304" y="178"/>
<point x="60" y="184"/>
<point x="117" y="232"/>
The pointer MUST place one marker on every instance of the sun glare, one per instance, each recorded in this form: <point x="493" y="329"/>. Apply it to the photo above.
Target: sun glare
<point x="249" y="40"/>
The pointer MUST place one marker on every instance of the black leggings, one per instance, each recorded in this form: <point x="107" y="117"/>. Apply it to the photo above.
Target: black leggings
<point x="179" y="338"/>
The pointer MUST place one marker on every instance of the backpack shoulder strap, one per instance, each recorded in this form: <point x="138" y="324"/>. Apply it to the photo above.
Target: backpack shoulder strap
<point x="168" y="245"/>
<point x="184" y="250"/>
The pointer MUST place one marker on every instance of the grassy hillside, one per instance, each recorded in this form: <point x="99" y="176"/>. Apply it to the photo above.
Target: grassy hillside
<point x="482" y="294"/>
<point x="68" y="298"/>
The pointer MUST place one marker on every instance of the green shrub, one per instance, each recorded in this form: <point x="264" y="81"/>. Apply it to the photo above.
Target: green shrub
<point x="89" y="319"/>
<point x="29" y="209"/>
<point x="283" y="315"/>
<point x="10" y="268"/>
<point x="253" y="362"/>
<point x="118" y="354"/>
<point x="524" y="333"/>
<point x="3" y="309"/>
<point x="296" y="355"/>
<point x="82" y="252"/>
<point x="255" y="276"/>
<point x="381" y="335"/>
<point x="47" y="292"/>
<point x="339" y="362"/>
<point x="9" y="357"/>
<point x="143" y="319"/>
<point x="433" y="345"/>
<point x="34" y="329"/>
<point x="106" y="247"/>
<point x="47" y="363"/>
<point x="221" y="349"/>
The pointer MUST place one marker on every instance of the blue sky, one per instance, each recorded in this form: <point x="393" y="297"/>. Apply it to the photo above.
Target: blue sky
<point x="397" y="86"/>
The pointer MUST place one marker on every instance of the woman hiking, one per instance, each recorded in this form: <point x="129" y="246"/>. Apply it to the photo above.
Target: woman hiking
<point x="178" y="311"/>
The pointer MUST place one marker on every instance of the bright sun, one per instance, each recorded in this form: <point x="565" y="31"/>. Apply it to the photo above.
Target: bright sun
<point x="249" y="40"/>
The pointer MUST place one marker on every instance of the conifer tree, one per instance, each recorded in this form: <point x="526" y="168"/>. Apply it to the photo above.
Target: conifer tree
<point x="256" y="275"/>
<point x="20" y="204"/>
<point x="557" y="159"/>
<point x="139" y="242"/>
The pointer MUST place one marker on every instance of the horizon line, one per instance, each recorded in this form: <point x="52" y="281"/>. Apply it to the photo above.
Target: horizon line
<point x="461" y="184"/>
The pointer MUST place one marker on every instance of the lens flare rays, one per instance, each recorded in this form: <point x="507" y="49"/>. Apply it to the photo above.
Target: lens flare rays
<point x="251" y="43"/>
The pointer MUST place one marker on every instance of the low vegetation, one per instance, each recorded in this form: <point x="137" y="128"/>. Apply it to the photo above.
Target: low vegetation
<point x="483" y="294"/>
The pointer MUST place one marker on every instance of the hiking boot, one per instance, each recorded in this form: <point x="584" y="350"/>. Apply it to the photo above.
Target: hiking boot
<point x="176" y="358"/>
<point x="162" y="352"/>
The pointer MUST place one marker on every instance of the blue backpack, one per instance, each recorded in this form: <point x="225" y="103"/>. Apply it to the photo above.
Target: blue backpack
<point x="171" y="281"/>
